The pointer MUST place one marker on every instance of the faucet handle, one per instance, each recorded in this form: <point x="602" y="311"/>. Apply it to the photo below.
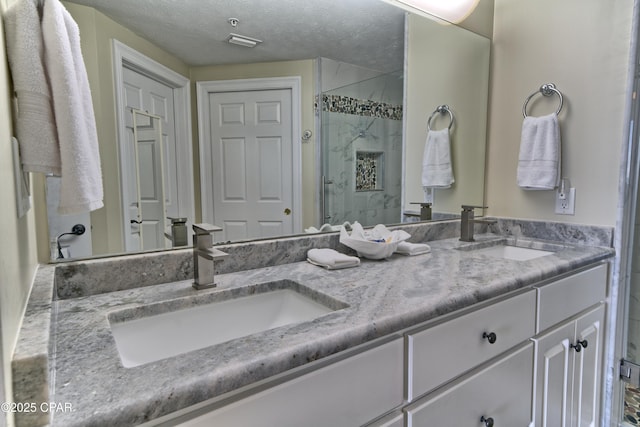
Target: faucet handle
<point x="204" y="228"/>
<point x="472" y="207"/>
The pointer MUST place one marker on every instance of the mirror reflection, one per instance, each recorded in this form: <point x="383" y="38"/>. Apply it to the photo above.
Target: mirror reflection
<point x="356" y="156"/>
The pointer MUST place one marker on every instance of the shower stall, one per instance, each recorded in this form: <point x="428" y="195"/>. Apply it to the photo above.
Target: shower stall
<point x="361" y="151"/>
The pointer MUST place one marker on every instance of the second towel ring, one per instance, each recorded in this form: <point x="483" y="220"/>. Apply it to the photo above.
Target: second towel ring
<point x="441" y="109"/>
<point x="546" y="90"/>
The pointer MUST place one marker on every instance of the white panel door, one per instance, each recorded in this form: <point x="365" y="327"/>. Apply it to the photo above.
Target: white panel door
<point x="153" y="97"/>
<point x="251" y="163"/>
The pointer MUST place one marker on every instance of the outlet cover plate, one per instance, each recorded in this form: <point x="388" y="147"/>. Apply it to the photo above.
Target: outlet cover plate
<point x="566" y="206"/>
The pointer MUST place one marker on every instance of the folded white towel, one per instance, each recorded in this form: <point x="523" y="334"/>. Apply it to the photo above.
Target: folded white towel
<point x="35" y="123"/>
<point x="436" y="160"/>
<point x="331" y="259"/>
<point x="81" y="184"/>
<point x="539" y="160"/>
<point x="407" y="248"/>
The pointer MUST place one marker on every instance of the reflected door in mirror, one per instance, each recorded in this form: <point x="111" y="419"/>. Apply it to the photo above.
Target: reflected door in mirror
<point x="147" y="174"/>
<point x="251" y="163"/>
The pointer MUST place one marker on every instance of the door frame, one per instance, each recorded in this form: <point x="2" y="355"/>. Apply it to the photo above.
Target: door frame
<point x="204" y="88"/>
<point x="124" y="56"/>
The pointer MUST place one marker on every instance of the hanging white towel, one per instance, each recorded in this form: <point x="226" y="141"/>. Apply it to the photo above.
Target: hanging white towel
<point x="436" y="160"/>
<point x="35" y="123"/>
<point x="81" y="184"/>
<point x="540" y="153"/>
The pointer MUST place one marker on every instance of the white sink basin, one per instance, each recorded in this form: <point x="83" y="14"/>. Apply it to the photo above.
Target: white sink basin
<point x="159" y="336"/>
<point x="512" y="252"/>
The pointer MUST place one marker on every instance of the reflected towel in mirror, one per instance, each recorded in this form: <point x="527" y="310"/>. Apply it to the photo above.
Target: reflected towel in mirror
<point x="436" y="161"/>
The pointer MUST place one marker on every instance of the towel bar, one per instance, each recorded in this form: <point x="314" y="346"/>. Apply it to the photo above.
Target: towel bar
<point x="546" y="90"/>
<point x="440" y="109"/>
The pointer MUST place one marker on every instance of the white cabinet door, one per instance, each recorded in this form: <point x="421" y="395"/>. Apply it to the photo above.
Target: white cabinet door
<point x="568" y="371"/>
<point x="501" y="391"/>
<point x="587" y="371"/>
<point x="553" y="373"/>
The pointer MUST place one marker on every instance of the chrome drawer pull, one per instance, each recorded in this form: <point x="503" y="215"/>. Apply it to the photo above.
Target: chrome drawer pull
<point x="579" y="345"/>
<point x="488" y="422"/>
<point x="491" y="337"/>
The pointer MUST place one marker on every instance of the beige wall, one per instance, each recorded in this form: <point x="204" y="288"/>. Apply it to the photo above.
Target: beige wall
<point x="459" y="79"/>
<point x="306" y="70"/>
<point x="18" y="255"/>
<point x="583" y="47"/>
<point x="97" y="32"/>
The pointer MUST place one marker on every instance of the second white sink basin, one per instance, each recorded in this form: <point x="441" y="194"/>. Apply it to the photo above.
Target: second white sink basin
<point x="155" y="337"/>
<point x="516" y="253"/>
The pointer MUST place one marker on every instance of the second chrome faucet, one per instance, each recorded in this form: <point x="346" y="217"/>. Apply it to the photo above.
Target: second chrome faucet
<point x="204" y="255"/>
<point x="467" y="221"/>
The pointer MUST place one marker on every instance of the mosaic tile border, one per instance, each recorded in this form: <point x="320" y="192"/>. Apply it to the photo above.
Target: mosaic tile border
<point x="360" y="107"/>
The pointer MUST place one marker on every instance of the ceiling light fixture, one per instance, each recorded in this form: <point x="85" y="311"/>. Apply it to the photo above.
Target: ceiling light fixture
<point x="454" y="11"/>
<point x="243" y="40"/>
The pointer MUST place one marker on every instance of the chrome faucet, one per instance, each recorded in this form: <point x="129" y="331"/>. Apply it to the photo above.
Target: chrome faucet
<point x="204" y="256"/>
<point x="468" y="220"/>
<point x="425" y="210"/>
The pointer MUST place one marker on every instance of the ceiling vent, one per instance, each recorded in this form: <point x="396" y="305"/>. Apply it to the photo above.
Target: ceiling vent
<point x="243" y="40"/>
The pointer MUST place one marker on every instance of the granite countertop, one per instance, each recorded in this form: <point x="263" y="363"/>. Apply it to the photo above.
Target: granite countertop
<point x="382" y="297"/>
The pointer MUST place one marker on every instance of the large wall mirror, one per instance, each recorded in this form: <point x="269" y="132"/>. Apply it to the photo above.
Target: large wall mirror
<point x="362" y="108"/>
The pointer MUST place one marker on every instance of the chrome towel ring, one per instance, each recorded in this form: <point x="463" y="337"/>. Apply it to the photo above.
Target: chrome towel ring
<point x="546" y="90"/>
<point x="441" y="109"/>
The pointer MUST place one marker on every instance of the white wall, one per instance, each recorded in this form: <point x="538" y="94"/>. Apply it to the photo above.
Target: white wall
<point x="18" y="255"/>
<point x="583" y="47"/>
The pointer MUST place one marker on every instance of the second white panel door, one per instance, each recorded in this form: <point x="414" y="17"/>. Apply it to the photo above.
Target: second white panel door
<point x="251" y="163"/>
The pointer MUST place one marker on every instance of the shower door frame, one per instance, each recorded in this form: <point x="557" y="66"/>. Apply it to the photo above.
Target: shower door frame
<point x="624" y="237"/>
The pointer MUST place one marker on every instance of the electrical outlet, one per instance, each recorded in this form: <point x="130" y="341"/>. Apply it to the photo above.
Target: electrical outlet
<point x="566" y="202"/>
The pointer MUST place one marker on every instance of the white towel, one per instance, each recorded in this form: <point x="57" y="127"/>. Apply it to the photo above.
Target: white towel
<point x="331" y="259"/>
<point x="539" y="160"/>
<point x="436" y="160"/>
<point x="81" y="184"/>
<point x="407" y="248"/>
<point x="35" y="123"/>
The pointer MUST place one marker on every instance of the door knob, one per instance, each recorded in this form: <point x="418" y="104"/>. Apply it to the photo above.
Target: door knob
<point x="287" y="211"/>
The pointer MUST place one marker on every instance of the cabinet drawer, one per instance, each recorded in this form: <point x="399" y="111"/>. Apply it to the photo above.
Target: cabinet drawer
<point x="352" y="391"/>
<point x="449" y="349"/>
<point x="566" y="297"/>
<point x="501" y="391"/>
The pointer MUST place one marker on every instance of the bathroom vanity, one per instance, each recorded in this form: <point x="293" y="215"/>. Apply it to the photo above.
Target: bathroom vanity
<point x="493" y="331"/>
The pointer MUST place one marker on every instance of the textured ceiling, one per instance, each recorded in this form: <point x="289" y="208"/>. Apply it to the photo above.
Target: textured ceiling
<point x="369" y="33"/>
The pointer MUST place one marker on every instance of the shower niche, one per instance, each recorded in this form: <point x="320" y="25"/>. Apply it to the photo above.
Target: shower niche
<point x="369" y="170"/>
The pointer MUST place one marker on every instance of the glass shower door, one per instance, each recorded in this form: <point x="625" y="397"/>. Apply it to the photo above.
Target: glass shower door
<point x="361" y="134"/>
